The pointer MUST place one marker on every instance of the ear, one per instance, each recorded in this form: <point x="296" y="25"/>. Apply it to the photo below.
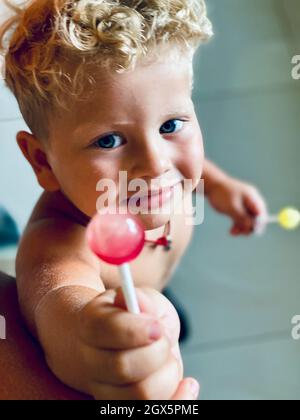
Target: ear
<point x="33" y="151"/>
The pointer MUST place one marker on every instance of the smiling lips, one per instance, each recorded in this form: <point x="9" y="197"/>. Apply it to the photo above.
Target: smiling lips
<point x="154" y="198"/>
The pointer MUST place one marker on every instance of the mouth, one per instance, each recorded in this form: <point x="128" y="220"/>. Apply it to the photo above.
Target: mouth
<point x="152" y="199"/>
<point x="152" y="193"/>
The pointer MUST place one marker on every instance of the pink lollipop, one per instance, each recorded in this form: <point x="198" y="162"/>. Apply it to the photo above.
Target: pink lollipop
<point x="118" y="239"/>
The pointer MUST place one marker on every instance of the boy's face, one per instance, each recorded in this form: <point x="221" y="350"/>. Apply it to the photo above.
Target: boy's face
<point x="142" y="122"/>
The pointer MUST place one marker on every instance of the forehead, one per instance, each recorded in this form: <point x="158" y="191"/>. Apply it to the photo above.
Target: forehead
<point x="162" y="85"/>
<point x="150" y="83"/>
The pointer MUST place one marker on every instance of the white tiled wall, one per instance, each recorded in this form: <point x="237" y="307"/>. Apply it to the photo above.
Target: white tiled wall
<point x="18" y="187"/>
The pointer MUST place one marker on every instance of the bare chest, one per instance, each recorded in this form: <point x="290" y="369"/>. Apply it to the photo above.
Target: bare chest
<point x="154" y="266"/>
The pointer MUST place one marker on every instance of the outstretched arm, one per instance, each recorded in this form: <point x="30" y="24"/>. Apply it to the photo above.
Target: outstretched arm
<point x="91" y="342"/>
<point x="239" y="200"/>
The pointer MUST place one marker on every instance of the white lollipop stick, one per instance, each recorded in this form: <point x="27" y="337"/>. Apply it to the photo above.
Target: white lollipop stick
<point x="262" y="222"/>
<point x="288" y="219"/>
<point x="128" y="289"/>
<point x="271" y="219"/>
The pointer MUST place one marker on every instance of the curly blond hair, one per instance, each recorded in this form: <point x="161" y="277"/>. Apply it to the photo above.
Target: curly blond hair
<point x="45" y="38"/>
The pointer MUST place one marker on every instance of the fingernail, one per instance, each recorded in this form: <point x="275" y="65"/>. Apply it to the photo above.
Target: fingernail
<point x="155" y="331"/>
<point x="194" y="387"/>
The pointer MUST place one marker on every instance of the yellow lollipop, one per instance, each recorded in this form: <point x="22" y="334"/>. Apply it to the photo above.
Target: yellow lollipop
<point x="289" y="218"/>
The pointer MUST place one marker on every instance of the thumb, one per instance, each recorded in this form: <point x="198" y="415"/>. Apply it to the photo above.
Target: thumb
<point x="144" y="302"/>
<point x="256" y="205"/>
<point x="157" y="306"/>
<point x="252" y="206"/>
<point x="188" y="389"/>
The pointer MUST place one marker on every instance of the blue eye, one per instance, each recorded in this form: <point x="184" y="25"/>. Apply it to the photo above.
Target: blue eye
<point x="170" y="126"/>
<point x="112" y="141"/>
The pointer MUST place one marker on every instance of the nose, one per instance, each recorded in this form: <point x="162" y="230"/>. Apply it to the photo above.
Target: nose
<point x="152" y="159"/>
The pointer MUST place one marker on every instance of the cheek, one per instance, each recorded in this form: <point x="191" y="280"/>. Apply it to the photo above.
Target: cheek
<point x="85" y="170"/>
<point x="191" y="155"/>
<point x="78" y="179"/>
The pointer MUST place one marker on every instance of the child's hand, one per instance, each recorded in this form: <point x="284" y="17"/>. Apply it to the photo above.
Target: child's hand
<point x="240" y="201"/>
<point x="130" y="357"/>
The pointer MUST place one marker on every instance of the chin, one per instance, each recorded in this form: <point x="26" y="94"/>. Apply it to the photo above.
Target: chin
<point x="154" y="221"/>
<point x="161" y="215"/>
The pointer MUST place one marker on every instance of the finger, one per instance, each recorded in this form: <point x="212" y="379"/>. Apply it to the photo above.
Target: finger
<point x="126" y="367"/>
<point x="121" y="331"/>
<point x="153" y="302"/>
<point x="238" y="212"/>
<point x="146" y="304"/>
<point x="188" y="389"/>
<point x="235" y="230"/>
<point x="257" y="208"/>
<point x="246" y="230"/>
<point x="255" y="204"/>
<point x="161" y="385"/>
<point x="168" y="317"/>
<point x="245" y="211"/>
<point x="243" y="224"/>
<point x="252" y="206"/>
<point x="104" y="326"/>
<point x="247" y="227"/>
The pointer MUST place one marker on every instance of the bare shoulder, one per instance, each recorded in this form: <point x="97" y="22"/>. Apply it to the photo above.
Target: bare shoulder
<point x="53" y="239"/>
<point x="53" y="253"/>
<point x="54" y="231"/>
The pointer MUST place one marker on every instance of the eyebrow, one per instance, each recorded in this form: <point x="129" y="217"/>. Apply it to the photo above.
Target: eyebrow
<point x="168" y="115"/>
<point x="81" y="128"/>
<point x="178" y="111"/>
